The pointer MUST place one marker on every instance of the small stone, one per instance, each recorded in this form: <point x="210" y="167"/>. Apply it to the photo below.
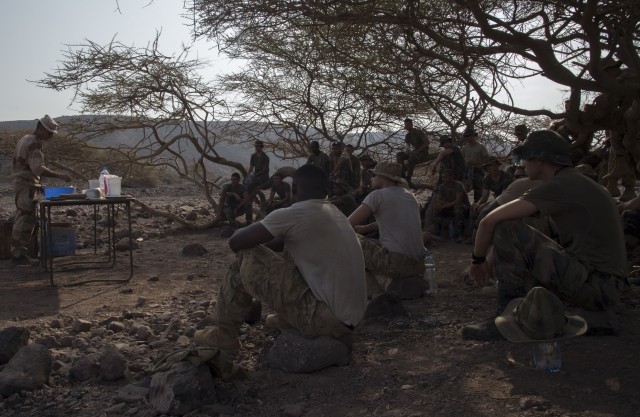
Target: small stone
<point x="84" y="368"/>
<point x="112" y="364"/>
<point x="181" y="389"/>
<point x="141" y="301"/>
<point x="154" y="278"/>
<point x="183" y="340"/>
<point x="192" y="216"/>
<point x="116" y="326"/>
<point x="71" y="212"/>
<point x="56" y="324"/>
<point x="28" y="369"/>
<point x="144" y="333"/>
<point x="536" y="403"/>
<point x="99" y="332"/>
<point x="79" y="343"/>
<point x="123" y="245"/>
<point x="114" y="408"/>
<point x="80" y="325"/>
<point x="292" y="352"/>
<point x="190" y="277"/>
<point x="194" y="249"/>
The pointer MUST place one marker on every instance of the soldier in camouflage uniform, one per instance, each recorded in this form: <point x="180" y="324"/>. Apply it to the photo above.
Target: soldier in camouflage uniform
<point x="400" y="251"/>
<point x="316" y="286"/>
<point x="26" y="170"/>
<point x="585" y="266"/>
<point x="416" y="150"/>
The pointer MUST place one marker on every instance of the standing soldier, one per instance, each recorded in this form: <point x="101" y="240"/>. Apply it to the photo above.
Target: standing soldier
<point x="27" y="169"/>
<point x="259" y="167"/>
<point x="317" y="157"/>
<point x="475" y="154"/>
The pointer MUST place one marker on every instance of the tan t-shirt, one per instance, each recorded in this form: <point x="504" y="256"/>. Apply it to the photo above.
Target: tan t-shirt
<point x="327" y="252"/>
<point x="28" y="162"/>
<point x="398" y="216"/>
<point x="476" y="153"/>
<point x="586" y="220"/>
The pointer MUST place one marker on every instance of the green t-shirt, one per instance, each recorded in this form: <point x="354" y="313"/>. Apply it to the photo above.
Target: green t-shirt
<point x="586" y="220"/>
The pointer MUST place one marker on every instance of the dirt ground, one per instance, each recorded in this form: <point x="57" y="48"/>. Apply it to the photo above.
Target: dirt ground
<point x="416" y="366"/>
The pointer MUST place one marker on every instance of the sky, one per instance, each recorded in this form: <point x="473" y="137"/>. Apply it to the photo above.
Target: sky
<point x="34" y="35"/>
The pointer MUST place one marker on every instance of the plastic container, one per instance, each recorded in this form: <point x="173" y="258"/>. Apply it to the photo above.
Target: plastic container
<point x="547" y="356"/>
<point x="430" y="274"/>
<point x="94" y="184"/>
<point x="63" y="241"/>
<point x="112" y="186"/>
<point x="50" y="192"/>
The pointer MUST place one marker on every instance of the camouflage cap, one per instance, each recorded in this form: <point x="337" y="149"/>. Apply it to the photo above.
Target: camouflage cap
<point x="545" y="145"/>
<point x="539" y="316"/>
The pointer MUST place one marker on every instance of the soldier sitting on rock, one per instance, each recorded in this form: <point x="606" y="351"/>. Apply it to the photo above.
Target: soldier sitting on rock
<point x="400" y="251"/>
<point x="316" y="286"/>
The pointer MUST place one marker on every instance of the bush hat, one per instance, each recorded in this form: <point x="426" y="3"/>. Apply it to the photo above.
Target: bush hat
<point x="49" y="124"/>
<point x="538" y="317"/>
<point x="491" y="160"/>
<point x="390" y="170"/>
<point x="545" y="145"/>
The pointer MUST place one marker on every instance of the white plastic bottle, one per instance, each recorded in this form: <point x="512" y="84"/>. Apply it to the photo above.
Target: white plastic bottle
<point x="430" y="274"/>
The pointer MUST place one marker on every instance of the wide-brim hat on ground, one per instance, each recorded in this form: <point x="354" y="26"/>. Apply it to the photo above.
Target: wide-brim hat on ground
<point x="545" y="145"/>
<point x="491" y="160"/>
<point x="468" y="132"/>
<point x="390" y="170"/>
<point x="49" y="124"/>
<point x="538" y="317"/>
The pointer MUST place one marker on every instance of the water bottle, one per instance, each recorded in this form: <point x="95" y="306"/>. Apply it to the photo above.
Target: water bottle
<point x="102" y="181"/>
<point x="430" y="274"/>
<point x="547" y="357"/>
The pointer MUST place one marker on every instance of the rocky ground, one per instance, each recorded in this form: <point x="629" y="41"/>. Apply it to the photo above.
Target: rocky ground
<point x="103" y="338"/>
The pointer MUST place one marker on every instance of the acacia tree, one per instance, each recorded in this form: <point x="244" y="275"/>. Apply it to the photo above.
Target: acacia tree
<point x="161" y="98"/>
<point x="479" y="46"/>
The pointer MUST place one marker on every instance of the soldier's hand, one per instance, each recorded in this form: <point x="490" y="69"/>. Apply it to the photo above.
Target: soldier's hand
<point x="480" y="273"/>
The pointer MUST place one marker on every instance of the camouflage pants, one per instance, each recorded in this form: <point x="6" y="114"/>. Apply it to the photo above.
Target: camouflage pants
<point x="473" y="180"/>
<point x="274" y="279"/>
<point x="229" y="211"/>
<point x="412" y="160"/>
<point x="459" y="215"/>
<point x="25" y="217"/>
<point x="525" y="258"/>
<point x="382" y="266"/>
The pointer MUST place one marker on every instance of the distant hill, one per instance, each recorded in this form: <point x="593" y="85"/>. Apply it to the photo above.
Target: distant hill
<point x="239" y="151"/>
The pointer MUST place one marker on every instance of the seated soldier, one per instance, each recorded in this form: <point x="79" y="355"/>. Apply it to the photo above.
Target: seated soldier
<point x="451" y="204"/>
<point x="400" y="251"/>
<point x="343" y="197"/>
<point x="585" y="265"/>
<point x="416" y="150"/>
<point x="280" y="194"/>
<point x="495" y="181"/>
<point x="316" y="286"/>
<point x="233" y="199"/>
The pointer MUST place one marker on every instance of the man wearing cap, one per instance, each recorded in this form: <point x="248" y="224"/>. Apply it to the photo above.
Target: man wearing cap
<point x="317" y="157"/>
<point x="585" y="266"/>
<point x="355" y="166"/>
<point x="233" y="199"/>
<point x="316" y="285"/>
<point x="26" y="170"/>
<point x="400" y="251"/>
<point x="451" y="202"/>
<point x="450" y="157"/>
<point x="416" y="150"/>
<point x="475" y="154"/>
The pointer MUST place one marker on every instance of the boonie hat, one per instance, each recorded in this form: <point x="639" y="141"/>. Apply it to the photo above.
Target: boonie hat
<point x="49" y="124"/>
<point x="539" y="316"/>
<point x="390" y="170"/>
<point x="545" y="145"/>
<point x="469" y="132"/>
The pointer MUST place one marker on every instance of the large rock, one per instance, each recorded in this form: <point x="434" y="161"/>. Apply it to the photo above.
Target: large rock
<point x="385" y="305"/>
<point x="28" y="369"/>
<point x="12" y="339"/>
<point x="112" y="364"/>
<point x="409" y="288"/>
<point x="84" y="368"/>
<point x="181" y="389"/>
<point x="294" y="353"/>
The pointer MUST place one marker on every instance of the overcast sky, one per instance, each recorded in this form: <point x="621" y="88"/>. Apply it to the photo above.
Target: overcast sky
<point x="33" y="34"/>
